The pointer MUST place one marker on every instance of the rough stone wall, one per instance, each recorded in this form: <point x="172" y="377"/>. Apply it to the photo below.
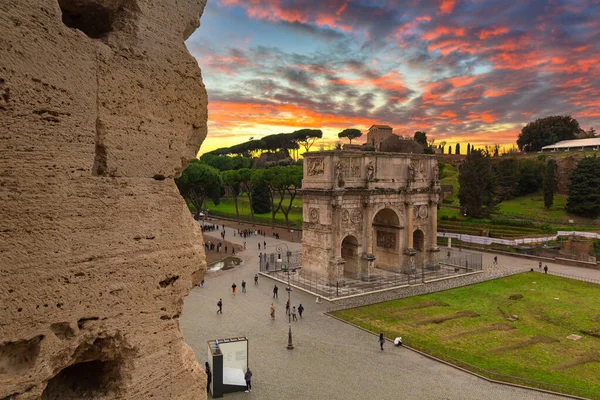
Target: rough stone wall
<point x="564" y="168"/>
<point x="101" y="106"/>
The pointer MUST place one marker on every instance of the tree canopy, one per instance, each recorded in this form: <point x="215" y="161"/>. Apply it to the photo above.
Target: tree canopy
<point x="350" y="133"/>
<point x="225" y="163"/>
<point x="421" y="138"/>
<point x="307" y="137"/>
<point x="584" y="189"/>
<point x="199" y="181"/>
<point x="272" y="143"/>
<point x="545" y="131"/>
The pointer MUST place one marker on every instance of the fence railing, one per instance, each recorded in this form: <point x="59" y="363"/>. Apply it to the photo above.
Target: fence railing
<point x="574" y="277"/>
<point x="287" y="265"/>
<point x="514" y="242"/>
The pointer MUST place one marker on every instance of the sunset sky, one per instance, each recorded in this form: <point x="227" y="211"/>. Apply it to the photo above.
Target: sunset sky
<point x="470" y="71"/>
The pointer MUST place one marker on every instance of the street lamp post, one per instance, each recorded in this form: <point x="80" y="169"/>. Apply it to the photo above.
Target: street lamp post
<point x="279" y="249"/>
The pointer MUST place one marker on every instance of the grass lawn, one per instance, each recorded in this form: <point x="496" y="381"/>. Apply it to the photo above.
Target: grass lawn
<point x="532" y="206"/>
<point x="226" y="208"/>
<point x="469" y="327"/>
<point x="449" y="176"/>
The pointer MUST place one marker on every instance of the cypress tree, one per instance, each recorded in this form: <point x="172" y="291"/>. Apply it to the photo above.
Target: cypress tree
<point x="477" y="185"/>
<point x="584" y="189"/>
<point x="261" y="201"/>
<point x="550" y="183"/>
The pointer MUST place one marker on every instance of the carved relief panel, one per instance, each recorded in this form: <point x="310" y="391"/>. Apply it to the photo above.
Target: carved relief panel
<point x="417" y="171"/>
<point x="352" y="216"/>
<point x="313" y="215"/>
<point x="420" y="212"/>
<point x="386" y="240"/>
<point x="350" y="167"/>
<point x="316" y="166"/>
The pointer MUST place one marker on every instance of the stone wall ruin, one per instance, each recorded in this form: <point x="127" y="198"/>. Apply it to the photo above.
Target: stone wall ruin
<point x="101" y="105"/>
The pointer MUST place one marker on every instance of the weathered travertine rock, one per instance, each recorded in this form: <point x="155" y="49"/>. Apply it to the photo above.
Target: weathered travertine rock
<point x="100" y="106"/>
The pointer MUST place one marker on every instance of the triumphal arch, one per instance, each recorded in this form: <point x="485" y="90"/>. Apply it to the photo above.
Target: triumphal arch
<point x="365" y="211"/>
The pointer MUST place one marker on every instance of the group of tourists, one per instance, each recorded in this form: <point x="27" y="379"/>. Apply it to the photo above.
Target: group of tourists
<point x="244" y="233"/>
<point x="210" y="227"/>
<point x="217" y="247"/>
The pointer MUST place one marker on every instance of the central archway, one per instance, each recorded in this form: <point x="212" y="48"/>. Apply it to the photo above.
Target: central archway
<point x="387" y="239"/>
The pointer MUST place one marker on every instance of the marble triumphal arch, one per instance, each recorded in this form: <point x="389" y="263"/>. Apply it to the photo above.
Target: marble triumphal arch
<point x="368" y="210"/>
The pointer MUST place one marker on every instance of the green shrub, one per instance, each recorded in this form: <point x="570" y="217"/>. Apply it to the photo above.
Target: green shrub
<point x="547" y="228"/>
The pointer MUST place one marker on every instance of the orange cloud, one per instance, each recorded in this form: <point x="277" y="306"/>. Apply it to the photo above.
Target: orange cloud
<point x="486" y="33"/>
<point x="442" y="31"/>
<point x="447" y="6"/>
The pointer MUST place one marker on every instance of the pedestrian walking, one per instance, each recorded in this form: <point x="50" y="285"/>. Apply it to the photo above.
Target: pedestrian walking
<point x="540" y="266"/>
<point x="243" y="286"/>
<point x="294" y="314"/>
<point x="287" y="307"/>
<point x="208" y="376"/>
<point x="546" y="268"/>
<point x="272" y="311"/>
<point x="275" y="290"/>
<point x="495" y="259"/>
<point x="248" y="378"/>
<point x="220" y="304"/>
<point x="259" y="246"/>
<point x="381" y="341"/>
<point x="300" y="310"/>
<point x="264" y="245"/>
<point x="256" y="279"/>
<point x="233" y="286"/>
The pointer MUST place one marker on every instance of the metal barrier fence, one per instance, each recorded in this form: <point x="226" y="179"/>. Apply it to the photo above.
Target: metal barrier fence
<point x="287" y="266"/>
<point x="575" y="277"/>
<point x="514" y="242"/>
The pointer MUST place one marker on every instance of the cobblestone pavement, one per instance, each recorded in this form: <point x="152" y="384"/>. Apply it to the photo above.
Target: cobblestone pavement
<point x="332" y="360"/>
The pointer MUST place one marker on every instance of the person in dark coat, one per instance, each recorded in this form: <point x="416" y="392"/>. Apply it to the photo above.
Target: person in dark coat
<point x="275" y="290"/>
<point x="220" y="304"/>
<point x="545" y="269"/>
<point x="300" y="310"/>
<point x="248" y="378"/>
<point x="208" y="376"/>
<point x="233" y="286"/>
<point x="381" y="341"/>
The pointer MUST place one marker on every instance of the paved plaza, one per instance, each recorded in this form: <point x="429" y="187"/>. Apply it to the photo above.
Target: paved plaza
<point x="332" y="360"/>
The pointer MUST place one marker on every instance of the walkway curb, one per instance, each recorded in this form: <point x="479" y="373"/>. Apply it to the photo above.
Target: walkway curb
<point x="458" y="367"/>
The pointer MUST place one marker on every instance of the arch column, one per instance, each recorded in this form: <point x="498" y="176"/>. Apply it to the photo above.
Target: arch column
<point x="410" y="226"/>
<point x="433" y="226"/>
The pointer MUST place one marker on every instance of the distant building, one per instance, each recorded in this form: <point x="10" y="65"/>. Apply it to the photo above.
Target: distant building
<point x="574" y="145"/>
<point x="377" y="134"/>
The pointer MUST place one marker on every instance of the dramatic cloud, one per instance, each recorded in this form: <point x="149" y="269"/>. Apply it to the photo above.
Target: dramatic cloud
<point x="459" y="69"/>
